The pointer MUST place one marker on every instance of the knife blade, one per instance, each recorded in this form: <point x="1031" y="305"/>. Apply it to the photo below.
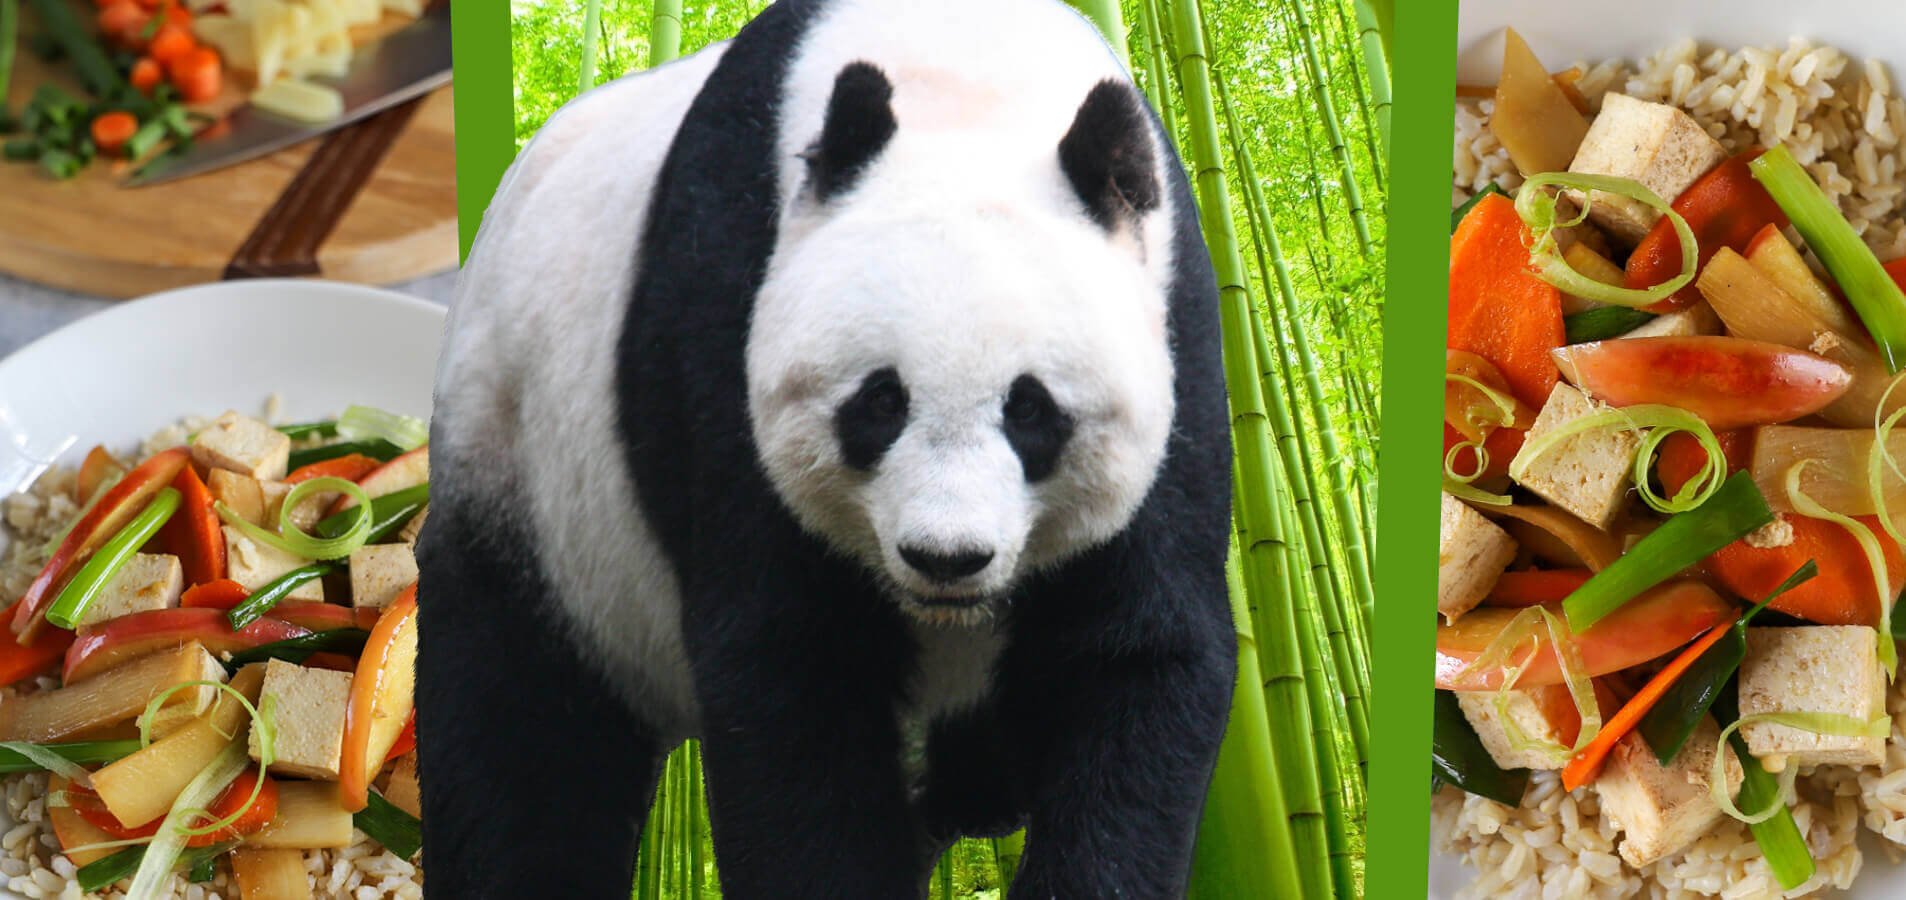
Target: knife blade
<point x="403" y="65"/>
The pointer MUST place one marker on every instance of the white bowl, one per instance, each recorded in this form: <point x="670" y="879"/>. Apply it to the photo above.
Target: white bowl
<point x="1565" y="33"/>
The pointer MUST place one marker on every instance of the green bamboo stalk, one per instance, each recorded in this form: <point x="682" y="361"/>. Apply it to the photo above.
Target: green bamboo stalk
<point x="697" y="822"/>
<point x="1162" y="53"/>
<point x="1007" y="852"/>
<point x="1314" y="185"/>
<point x="1376" y="65"/>
<point x="1344" y="50"/>
<point x="1111" y="24"/>
<point x="1327" y="110"/>
<point x="665" y="32"/>
<point x="591" y="35"/>
<point x="1290" y="730"/>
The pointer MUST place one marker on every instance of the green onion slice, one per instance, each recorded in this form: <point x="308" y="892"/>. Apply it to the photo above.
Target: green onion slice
<point x="1830" y="724"/>
<point x="365" y="422"/>
<point x="294" y="541"/>
<point x="1479" y="416"/>
<point x="1537" y="208"/>
<point x="21" y="757"/>
<point x="1652" y="423"/>
<point x="1683" y="540"/>
<point x="1581" y="690"/>
<point x="93" y="577"/>
<point x="51" y="761"/>
<point x="1869" y="545"/>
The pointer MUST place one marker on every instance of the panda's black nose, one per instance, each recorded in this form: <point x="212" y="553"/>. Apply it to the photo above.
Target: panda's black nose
<point x="944" y="567"/>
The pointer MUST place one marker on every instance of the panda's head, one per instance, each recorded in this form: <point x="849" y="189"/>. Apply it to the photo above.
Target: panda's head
<point x="958" y="365"/>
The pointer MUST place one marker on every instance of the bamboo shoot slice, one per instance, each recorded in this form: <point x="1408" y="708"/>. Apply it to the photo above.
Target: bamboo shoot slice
<point x="403" y="790"/>
<point x="1779" y="260"/>
<point x="1838" y="480"/>
<point x="270" y="874"/>
<point x="111" y="697"/>
<point x="310" y="817"/>
<point x="1534" y="119"/>
<point x="142" y="786"/>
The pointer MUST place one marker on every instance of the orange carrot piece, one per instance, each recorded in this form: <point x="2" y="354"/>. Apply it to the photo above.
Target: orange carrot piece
<point x="349" y="468"/>
<point x="221" y="594"/>
<point x="1587" y="764"/>
<point x="146" y="75"/>
<point x="18" y="662"/>
<point x="171" y="42"/>
<point x="111" y="130"/>
<point x="199" y="75"/>
<point x="193" y="534"/>
<point x="1842" y="594"/>
<point x="1681" y="457"/>
<point x="1498" y="308"/>
<point x="1533" y="587"/>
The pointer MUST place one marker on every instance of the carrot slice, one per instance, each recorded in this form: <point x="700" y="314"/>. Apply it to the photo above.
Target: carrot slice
<point x="1498" y="308"/>
<point x="1726" y="207"/>
<point x="1532" y="587"/>
<point x="221" y="594"/>
<point x="1681" y="457"/>
<point x="193" y="533"/>
<point x="43" y="655"/>
<point x="1587" y="764"/>
<point x="1842" y="594"/>
<point x="350" y="468"/>
<point x="111" y="130"/>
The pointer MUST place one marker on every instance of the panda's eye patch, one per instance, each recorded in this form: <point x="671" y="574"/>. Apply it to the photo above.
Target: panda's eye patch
<point x="1035" y="426"/>
<point x="872" y="419"/>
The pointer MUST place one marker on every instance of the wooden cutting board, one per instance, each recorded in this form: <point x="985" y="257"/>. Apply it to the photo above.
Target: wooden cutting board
<point x="92" y="236"/>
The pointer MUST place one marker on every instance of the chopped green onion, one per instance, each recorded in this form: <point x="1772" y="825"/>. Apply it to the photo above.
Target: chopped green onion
<point x="1831" y="724"/>
<point x="92" y="577"/>
<point x="1456" y="218"/>
<point x="1779" y="838"/>
<point x="325" y="429"/>
<point x="1873" y="293"/>
<point x="1505" y="407"/>
<point x="1458" y="757"/>
<point x="377" y="449"/>
<point x="102" y="873"/>
<point x="60" y="164"/>
<point x="294" y="541"/>
<point x="365" y="422"/>
<point x="1602" y="323"/>
<point x="24" y="149"/>
<point x="16" y="757"/>
<point x="1683" y="540"/>
<point x="1660" y="421"/>
<point x="1869" y="545"/>
<point x="388" y="514"/>
<point x="9" y="37"/>
<point x="397" y="830"/>
<point x="43" y="758"/>
<point x="299" y="649"/>
<point x="147" y="137"/>
<point x="1536" y="206"/>
<point x="262" y="600"/>
<point x="203" y="870"/>
<point x="1679" y="710"/>
<point x="59" y="19"/>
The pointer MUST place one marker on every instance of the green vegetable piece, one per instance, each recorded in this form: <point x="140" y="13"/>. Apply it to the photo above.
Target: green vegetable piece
<point x="388" y="513"/>
<point x="9" y="38"/>
<point x="93" y="576"/>
<point x="1668" y="723"/>
<point x="85" y="753"/>
<point x="204" y="870"/>
<point x="24" y="149"/>
<point x="299" y="649"/>
<point x="398" y="831"/>
<point x="60" y="164"/>
<point x="1779" y="838"/>
<point x="325" y="429"/>
<point x="1458" y="757"/>
<point x="1873" y="293"/>
<point x="59" y="19"/>
<point x="262" y="600"/>
<point x="147" y="137"/>
<point x="380" y="450"/>
<point x="1685" y="539"/>
<point x="1456" y="218"/>
<point x="1603" y="322"/>
<point x="103" y="873"/>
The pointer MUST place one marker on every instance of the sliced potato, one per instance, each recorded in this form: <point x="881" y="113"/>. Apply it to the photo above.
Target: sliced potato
<point x="299" y="100"/>
<point x="310" y="817"/>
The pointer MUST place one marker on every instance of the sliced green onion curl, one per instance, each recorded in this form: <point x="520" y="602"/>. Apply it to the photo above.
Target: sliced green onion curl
<point x="1830" y="724"/>
<point x="1869" y="545"/>
<point x="1505" y="407"/>
<point x="1521" y="629"/>
<point x="293" y="540"/>
<point x="1460" y="486"/>
<point x="1659" y="421"/>
<point x="1859" y="274"/>
<point x="100" y="569"/>
<point x="365" y="422"/>
<point x="1537" y="209"/>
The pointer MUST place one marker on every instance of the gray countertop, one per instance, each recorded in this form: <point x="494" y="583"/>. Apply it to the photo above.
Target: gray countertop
<point x="29" y="310"/>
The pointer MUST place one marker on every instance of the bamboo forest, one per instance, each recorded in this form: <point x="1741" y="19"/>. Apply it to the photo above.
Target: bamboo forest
<point x="1280" y="110"/>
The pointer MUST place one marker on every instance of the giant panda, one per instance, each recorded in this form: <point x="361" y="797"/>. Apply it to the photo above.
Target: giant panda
<point x="848" y="396"/>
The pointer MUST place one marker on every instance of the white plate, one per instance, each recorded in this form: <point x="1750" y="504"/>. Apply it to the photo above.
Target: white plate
<point x="121" y="374"/>
<point x="1566" y="33"/>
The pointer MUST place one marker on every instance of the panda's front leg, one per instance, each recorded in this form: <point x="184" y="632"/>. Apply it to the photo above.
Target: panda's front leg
<point x="1119" y="693"/>
<point x="797" y="668"/>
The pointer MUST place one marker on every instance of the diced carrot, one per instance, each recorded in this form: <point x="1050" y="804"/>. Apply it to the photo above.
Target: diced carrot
<point x="1681" y="457"/>
<point x="1842" y="594"/>
<point x="171" y="42"/>
<point x="198" y="75"/>
<point x="171" y="12"/>
<point x="349" y="468"/>
<point x="221" y="594"/>
<point x="1498" y="308"/>
<point x="1586" y="764"/>
<point x="193" y="533"/>
<point x="122" y="22"/>
<point x="146" y="75"/>
<point x="18" y="663"/>
<point x="1532" y="587"/>
<point x="1726" y="207"/>
<point x="111" y="130"/>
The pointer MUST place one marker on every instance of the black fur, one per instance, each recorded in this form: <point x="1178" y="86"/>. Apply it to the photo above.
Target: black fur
<point x="1107" y="155"/>
<point x="1108" y="703"/>
<point x="1036" y="427"/>
<point x="859" y="123"/>
<point x="871" y="420"/>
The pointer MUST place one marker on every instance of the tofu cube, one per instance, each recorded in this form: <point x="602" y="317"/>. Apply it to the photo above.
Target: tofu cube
<point x="1587" y="474"/>
<point x="1812" y="668"/>
<point x="310" y="719"/>
<point x="146" y="581"/>
<point x="1472" y="556"/>
<point x="1662" y="809"/>
<point x="244" y="445"/>
<point x="254" y="565"/>
<point x="379" y="572"/>
<point x="243" y="494"/>
<point x="1542" y="714"/>
<point x="1652" y="143"/>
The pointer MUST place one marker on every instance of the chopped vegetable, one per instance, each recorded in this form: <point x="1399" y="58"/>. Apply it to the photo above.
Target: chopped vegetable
<point x="111" y="698"/>
<point x="9" y="38"/>
<point x="1781" y="843"/>
<point x="1535" y="586"/>
<point x="1558" y="537"/>
<point x="1477" y="399"/>
<point x="1728" y="382"/>
<point x="132" y="636"/>
<point x="1525" y="628"/>
<point x="1877" y="563"/>
<point x="96" y="72"/>
<point x="92" y="577"/>
<point x="146" y="75"/>
<point x="389" y="513"/>
<point x="1660" y="422"/>
<point x="1832" y="724"/>
<point x="350" y="467"/>
<point x="1603" y="322"/>
<point x="199" y="75"/>
<point x="140" y="788"/>
<point x="13" y="758"/>
<point x="19" y="662"/>
<point x="262" y="600"/>
<point x="1460" y="760"/>
<point x="111" y="130"/>
<point x="383" y="693"/>
<point x="1843" y="592"/>
<point x="1498" y="309"/>
<point x="1655" y="623"/>
<point x="193" y="534"/>
<point x="298" y="649"/>
<point x="1724" y="208"/>
<point x="1874" y="295"/>
<point x="376" y="449"/>
<point x="302" y="430"/>
<point x="1778" y="259"/>
<point x="1534" y="118"/>
<point x="221" y="594"/>
<point x="100" y="875"/>
<point x="301" y="101"/>
<point x="294" y="541"/>
<point x="1536" y="206"/>
<point x="367" y="422"/>
<point x="1683" y="540"/>
<point x="1456" y="218"/>
<point x="403" y="835"/>
<point x="309" y="817"/>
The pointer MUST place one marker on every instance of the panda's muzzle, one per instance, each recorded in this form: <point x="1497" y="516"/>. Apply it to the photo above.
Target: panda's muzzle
<point x="945" y="567"/>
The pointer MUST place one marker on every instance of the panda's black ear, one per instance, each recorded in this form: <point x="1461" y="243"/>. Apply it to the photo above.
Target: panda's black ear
<point x="1107" y="155"/>
<point x="859" y="124"/>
